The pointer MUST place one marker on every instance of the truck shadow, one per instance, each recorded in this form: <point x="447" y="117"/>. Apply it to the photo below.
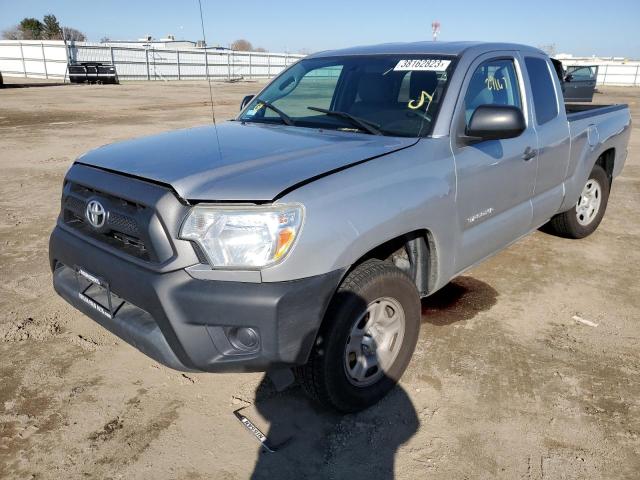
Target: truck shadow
<point x="312" y="442"/>
<point x="461" y="299"/>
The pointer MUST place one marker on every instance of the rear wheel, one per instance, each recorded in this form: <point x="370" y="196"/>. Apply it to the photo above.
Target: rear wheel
<point x="366" y="340"/>
<point x="587" y="213"/>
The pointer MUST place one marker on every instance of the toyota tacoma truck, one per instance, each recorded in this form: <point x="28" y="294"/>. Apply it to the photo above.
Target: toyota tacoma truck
<point x="299" y="237"/>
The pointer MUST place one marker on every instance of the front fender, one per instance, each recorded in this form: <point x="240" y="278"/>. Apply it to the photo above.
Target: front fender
<point x="351" y="212"/>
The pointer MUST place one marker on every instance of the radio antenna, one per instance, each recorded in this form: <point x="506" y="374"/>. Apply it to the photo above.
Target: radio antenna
<point x="206" y="62"/>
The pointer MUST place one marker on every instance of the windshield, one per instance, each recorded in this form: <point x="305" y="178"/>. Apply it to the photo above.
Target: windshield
<point x="396" y="95"/>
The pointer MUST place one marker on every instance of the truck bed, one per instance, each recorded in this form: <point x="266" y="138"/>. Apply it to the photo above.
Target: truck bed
<point x="579" y="111"/>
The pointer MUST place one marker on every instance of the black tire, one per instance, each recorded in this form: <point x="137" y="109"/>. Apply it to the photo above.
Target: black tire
<point x="566" y="224"/>
<point x="324" y="376"/>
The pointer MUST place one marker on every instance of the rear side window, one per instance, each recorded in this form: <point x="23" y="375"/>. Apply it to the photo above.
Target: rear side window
<point x="493" y="83"/>
<point x="544" y="95"/>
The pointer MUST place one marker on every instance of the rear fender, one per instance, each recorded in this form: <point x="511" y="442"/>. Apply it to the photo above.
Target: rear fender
<point x="588" y="143"/>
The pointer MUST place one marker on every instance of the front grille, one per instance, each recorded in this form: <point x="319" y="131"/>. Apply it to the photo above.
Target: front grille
<point x="75" y="205"/>
<point x="125" y="226"/>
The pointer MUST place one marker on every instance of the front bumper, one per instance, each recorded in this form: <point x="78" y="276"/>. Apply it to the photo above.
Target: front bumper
<point x="184" y="323"/>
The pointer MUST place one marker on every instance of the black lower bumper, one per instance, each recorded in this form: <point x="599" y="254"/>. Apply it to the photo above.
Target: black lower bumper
<point x="188" y="324"/>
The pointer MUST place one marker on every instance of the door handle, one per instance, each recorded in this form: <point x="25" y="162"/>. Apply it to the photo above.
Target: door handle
<point x="529" y="153"/>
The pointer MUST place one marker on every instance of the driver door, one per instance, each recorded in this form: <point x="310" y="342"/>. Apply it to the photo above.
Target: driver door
<point x="582" y="83"/>
<point x="495" y="178"/>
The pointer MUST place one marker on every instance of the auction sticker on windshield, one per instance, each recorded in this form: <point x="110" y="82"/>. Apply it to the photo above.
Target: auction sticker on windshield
<point x="424" y="64"/>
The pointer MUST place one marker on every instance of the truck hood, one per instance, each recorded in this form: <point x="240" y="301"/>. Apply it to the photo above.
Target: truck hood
<point x="255" y="162"/>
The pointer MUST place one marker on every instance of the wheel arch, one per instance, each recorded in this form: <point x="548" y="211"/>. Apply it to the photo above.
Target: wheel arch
<point x="607" y="161"/>
<point x="414" y="252"/>
<point x="604" y="157"/>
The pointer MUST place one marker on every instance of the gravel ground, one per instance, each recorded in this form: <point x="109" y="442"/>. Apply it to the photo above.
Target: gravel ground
<point x="505" y="383"/>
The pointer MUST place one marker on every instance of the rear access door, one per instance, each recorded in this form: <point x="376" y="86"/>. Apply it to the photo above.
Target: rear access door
<point x="554" y="142"/>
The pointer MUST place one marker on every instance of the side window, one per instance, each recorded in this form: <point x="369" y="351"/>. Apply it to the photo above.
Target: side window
<point x="494" y="82"/>
<point x="544" y="95"/>
<point x="315" y="88"/>
<point x="584" y="73"/>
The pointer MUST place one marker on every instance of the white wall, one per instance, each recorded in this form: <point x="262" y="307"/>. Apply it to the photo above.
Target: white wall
<point x="48" y="59"/>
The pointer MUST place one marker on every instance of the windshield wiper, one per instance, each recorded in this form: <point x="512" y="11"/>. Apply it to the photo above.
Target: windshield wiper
<point x="361" y="123"/>
<point x="285" y="118"/>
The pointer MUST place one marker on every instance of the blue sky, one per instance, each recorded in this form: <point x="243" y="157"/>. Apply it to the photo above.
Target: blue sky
<point x="582" y="27"/>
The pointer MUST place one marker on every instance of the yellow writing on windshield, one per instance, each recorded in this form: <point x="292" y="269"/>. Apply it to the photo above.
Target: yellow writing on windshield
<point x="416" y="104"/>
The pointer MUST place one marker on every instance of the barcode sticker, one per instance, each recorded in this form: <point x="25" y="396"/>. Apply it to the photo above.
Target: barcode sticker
<point x="424" y="64"/>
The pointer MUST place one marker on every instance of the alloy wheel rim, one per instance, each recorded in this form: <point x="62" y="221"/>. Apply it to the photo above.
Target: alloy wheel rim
<point x="589" y="202"/>
<point x="375" y="341"/>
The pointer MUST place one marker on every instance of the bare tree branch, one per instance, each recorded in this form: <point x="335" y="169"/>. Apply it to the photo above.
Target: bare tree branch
<point x="242" y="45"/>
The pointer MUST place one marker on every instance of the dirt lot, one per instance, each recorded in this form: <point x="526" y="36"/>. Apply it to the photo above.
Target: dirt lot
<point x="504" y="383"/>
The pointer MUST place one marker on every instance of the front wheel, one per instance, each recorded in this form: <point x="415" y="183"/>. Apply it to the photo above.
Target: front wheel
<point x="587" y="213"/>
<point x="366" y="340"/>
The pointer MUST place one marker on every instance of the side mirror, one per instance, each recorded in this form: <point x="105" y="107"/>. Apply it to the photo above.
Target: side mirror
<point x="245" y="101"/>
<point x="568" y="78"/>
<point x="495" y="122"/>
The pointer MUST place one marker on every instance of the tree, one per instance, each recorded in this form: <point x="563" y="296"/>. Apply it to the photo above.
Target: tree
<point x="31" y="29"/>
<point x="49" y="29"/>
<point x="12" y="33"/>
<point x="259" y="49"/>
<point x="105" y="39"/>
<point x="242" y="45"/>
<point x="74" y="35"/>
<point x="549" y="49"/>
<point x="52" y="29"/>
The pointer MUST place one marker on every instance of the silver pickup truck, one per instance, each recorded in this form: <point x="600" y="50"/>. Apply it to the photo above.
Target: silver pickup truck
<point x="300" y="236"/>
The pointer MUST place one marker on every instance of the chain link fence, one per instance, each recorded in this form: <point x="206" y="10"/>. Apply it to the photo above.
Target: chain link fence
<point x="35" y="59"/>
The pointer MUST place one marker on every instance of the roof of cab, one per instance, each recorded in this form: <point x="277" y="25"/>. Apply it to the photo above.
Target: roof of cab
<point x="433" y="48"/>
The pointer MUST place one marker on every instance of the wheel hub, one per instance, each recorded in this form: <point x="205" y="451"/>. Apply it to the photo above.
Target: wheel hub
<point x="375" y="341"/>
<point x="589" y="202"/>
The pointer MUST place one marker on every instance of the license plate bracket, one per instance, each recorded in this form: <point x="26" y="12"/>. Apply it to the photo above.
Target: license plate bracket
<point x="96" y="292"/>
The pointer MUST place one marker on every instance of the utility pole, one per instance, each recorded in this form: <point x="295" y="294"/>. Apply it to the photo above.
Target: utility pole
<point x="435" y="29"/>
<point x="67" y="54"/>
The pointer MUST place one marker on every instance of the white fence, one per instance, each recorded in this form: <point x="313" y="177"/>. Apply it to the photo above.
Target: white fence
<point x="619" y="74"/>
<point x="36" y="59"/>
<point x="612" y="73"/>
<point x="49" y="59"/>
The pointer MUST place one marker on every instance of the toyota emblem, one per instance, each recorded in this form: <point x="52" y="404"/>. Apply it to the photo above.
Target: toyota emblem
<point x="95" y="213"/>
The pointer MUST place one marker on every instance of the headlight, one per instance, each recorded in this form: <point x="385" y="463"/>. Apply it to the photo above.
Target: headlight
<point x="243" y="237"/>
